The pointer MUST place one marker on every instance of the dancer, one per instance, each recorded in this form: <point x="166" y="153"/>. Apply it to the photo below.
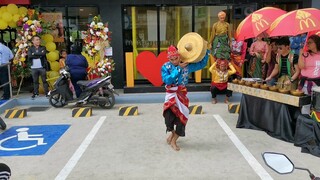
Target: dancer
<point x="175" y="75"/>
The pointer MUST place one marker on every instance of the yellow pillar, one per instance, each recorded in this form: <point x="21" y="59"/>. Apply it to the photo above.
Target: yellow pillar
<point x="198" y="76"/>
<point x="134" y="38"/>
<point x="129" y="69"/>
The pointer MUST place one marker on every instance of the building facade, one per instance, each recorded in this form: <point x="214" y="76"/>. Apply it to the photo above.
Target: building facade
<point x="153" y="25"/>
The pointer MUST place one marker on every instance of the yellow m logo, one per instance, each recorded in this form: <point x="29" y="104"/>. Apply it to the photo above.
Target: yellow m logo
<point x="306" y="23"/>
<point x="261" y="23"/>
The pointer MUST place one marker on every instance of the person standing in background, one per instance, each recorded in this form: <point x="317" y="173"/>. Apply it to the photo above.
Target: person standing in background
<point x="258" y="52"/>
<point x="220" y="38"/>
<point x="271" y="60"/>
<point x="5" y="57"/>
<point x="37" y="59"/>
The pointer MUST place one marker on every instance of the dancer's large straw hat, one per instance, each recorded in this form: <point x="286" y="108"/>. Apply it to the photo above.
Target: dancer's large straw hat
<point x="192" y="47"/>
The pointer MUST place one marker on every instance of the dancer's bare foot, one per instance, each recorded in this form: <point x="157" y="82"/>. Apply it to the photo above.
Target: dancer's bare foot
<point x="169" y="138"/>
<point x="226" y="100"/>
<point x="214" y="101"/>
<point x="174" y="141"/>
<point x="175" y="146"/>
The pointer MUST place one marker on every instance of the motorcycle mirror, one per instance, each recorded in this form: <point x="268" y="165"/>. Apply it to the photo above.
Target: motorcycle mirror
<point x="278" y="162"/>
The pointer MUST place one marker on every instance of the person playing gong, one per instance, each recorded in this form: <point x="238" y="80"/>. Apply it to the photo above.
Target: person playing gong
<point x="175" y="75"/>
<point x="220" y="39"/>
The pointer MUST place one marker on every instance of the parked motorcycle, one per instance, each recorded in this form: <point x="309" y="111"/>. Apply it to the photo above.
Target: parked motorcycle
<point x="281" y="164"/>
<point x="98" y="91"/>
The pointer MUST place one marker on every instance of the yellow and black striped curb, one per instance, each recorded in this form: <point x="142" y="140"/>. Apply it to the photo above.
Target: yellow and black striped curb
<point x="233" y="108"/>
<point x="195" y="109"/>
<point x="82" y="112"/>
<point x="128" y="111"/>
<point x="15" y="113"/>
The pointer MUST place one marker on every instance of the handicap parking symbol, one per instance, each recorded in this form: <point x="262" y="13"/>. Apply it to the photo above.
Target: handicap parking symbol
<point x="30" y="140"/>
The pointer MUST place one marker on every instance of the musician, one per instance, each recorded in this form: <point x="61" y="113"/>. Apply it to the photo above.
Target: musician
<point x="286" y="67"/>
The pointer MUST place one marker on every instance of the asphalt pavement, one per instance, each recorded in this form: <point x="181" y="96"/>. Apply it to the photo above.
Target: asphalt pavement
<point x="109" y="146"/>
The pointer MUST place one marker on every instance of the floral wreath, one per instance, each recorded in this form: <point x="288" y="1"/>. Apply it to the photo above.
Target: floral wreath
<point x="28" y="26"/>
<point x="96" y="40"/>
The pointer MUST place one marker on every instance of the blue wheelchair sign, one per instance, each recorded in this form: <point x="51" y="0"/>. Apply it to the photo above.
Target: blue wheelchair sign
<point x="30" y="140"/>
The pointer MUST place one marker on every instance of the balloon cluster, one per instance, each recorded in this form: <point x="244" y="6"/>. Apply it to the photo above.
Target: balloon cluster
<point x="10" y="15"/>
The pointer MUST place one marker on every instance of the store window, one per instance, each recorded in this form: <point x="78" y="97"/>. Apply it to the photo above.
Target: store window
<point x="78" y="19"/>
<point x="69" y="22"/>
<point x="155" y="28"/>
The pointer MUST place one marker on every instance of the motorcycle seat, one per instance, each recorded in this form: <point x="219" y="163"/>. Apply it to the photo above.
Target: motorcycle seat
<point x="87" y="83"/>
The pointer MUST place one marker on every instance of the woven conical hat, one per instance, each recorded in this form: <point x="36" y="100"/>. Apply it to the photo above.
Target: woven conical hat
<point x="192" y="47"/>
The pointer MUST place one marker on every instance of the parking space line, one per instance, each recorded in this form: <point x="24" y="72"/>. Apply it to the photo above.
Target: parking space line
<point x="255" y="165"/>
<point x="79" y="152"/>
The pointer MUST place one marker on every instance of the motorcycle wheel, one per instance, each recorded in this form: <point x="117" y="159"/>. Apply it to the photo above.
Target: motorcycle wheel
<point x="110" y="99"/>
<point x="56" y="100"/>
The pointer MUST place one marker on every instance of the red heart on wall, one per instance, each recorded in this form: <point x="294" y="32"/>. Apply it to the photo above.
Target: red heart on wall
<point x="149" y="66"/>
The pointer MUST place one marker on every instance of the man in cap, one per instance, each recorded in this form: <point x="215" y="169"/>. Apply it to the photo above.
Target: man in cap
<point x="175" y="75"/>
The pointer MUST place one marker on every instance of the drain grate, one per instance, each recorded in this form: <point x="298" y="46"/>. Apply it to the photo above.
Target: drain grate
<point x="38" y="108"/>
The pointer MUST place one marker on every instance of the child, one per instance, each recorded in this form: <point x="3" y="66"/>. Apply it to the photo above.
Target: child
<point x="220" y="73"/>
<point x="63" y="56"/>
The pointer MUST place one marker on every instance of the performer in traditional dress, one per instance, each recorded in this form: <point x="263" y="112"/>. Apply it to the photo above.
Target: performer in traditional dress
<point x="220" y="73"/>
<point x="286" y="66"/>
<point x="220" y="38"/>
<point x="271" y="60"/>
<point x="258" y="52"/>
<point x="175" y="75"/>
<point x="238" y="54"/>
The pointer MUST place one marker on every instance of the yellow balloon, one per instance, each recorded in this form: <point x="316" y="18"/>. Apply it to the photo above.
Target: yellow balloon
<point x="16" y="17"/>
<point x="48" y="38"/>
<point x="52" y="56"/>
<point x="3" y="24"/>
<point x="52" y="76"/>
<point x="3" y="9"/>
<point x="12" y="8"/>
<point x="51" y="46"/>
<point x="23" y="10"/>
<point x="12" y="24"/>
<point x="54" y="65"/>
<point x="6" y="16"/>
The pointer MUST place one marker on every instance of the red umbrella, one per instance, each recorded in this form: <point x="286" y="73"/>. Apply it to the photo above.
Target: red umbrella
<point x="257" y="22"/>
<point x="296" y="22"/>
